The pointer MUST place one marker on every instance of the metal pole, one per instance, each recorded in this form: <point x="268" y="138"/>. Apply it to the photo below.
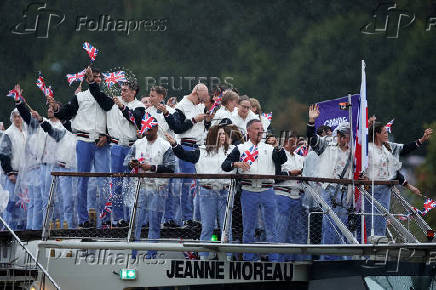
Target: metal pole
<point x="29" y="253"/>
<point x="45" y="228"/>
<point x="133" y="214"/>
<point x="419" y="220"/>
<point x="344" y="230"/>
<point x="406" y="235"/>
<point x="227" y="227"/>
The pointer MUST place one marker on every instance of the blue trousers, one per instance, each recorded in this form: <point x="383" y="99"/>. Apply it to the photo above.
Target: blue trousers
<point x="250" y="202"/>
<point x="213" y="209"/>
<point x="118" y="153"/>
<point x="186" y="198"/>
<point x="87" y="153"/>
<point x="151" y="203"/>
<point x="382" y="194"/>
<point x="173" y="199"/>
<point x="65" y="190"/>
<point x="15" y="216"/>
<point x="330" y="232"/>
<point x="291" y="225"/>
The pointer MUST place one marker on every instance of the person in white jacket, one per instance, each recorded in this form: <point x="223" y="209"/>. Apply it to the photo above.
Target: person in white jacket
<point x="151" y="154"/>
<point x="12" y="160"/>
<point x="213" y="193"/>
<point x="291" y="215"/>
<point x="87" y="112"/>
<point x="256" y="157"/>
<point x="65" y="157"/>
<point x="243" y="114"/>
<point x="229" y="102"/>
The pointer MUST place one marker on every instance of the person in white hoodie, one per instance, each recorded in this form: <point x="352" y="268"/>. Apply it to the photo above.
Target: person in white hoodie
<point x="12" y="160"/>
<point x="87" y="112"/>
<point x="213" y="193"/>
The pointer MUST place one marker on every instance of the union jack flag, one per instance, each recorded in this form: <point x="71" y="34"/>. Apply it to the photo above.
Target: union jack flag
<point x="215" y="106"/>
<point x="302" y="150"/>
<point x="429" y="204"/>
<point x="107" y="207"/>
<point x="267" y="116"/>
<point x="48" y="92"/>
<point x="193" y="188"/>
<point x="23" y="199"/>
<point x="15" y="95"/>
<point x="40" y="83"/>
<point x="140" y="160"/>
<point x="250" y="156"/>
<point x="91" y="50"/>
<point x="114" y="77"/>
<point x="147" y="122"/>
<point x="132" y="118"/>
<point x="75" y="77"/>
<point x="389" y="126"/>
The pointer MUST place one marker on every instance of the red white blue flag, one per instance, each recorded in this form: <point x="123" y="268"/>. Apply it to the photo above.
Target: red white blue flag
<point x="389" y="126"/>
<point x="267" y="116"/>
<point x="361" y="146"/>
<point x="91" y="50"/>
<point x="40" y="83"/>
<point x="302" y="150"/>
<point x="75" y="77"/>
<point x="23" y="199"/>
<point x="147" y="122"/>
<point x="14" y="94"/>
<point x="114" y="77"/>
<point x="249" y="156"/>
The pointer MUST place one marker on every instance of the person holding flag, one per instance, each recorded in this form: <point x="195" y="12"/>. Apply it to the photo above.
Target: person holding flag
<point x="122" y="132"/>
<point x="87" y="112"/>
<point x="40" y="162"/>
<point x="256" y="157"/>
<point x="157" y="109"/>
<point x="384" y="164"/>
<point x="151" y="154"/>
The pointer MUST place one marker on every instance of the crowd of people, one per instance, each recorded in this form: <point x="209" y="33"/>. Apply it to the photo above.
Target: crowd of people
<point x="217" y="132"/>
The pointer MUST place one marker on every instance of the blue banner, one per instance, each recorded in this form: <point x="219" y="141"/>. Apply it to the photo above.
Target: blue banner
<point x="331" y="115"/>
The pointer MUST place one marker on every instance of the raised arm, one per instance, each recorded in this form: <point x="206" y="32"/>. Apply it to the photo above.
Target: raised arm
<point x="55" y="133"/>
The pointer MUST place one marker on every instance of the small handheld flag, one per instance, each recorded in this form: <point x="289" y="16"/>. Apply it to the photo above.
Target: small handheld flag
<point x="40" y="83"/>
<point x="75" y="77"/>
<point x="267" y="116"/>
<point x="15" y="95"/>
<point x="389" y="126"/>
<point x="91" y="50"/>
<point x="250" y="156"/>
<point x="114" y="77"/>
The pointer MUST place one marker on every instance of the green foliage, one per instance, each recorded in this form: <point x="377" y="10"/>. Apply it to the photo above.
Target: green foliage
<point x="286" y="53"/>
